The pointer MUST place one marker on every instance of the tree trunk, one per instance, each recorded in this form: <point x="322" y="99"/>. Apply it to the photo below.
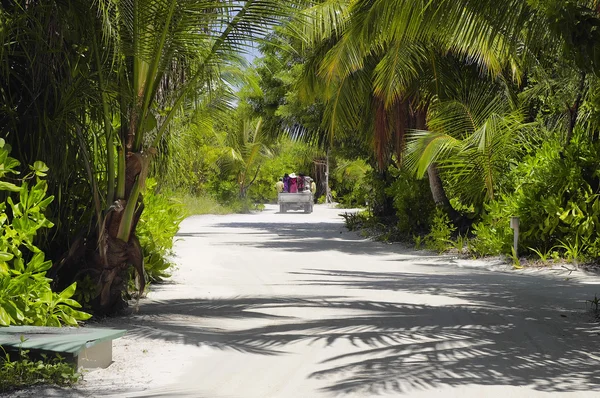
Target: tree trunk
<point x="435" y="182"/>
<point x="574" y="110"/>
<point x="328" y="197"/>
<point x="105" y="260"/>
<point x="438" y="192"/>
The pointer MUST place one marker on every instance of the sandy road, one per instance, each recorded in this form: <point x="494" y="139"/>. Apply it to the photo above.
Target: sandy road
<point x="293" y="305"/>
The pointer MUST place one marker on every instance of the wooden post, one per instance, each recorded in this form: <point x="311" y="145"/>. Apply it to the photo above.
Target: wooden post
<point x="514" y="224"/>
<point x="328" y="198"/>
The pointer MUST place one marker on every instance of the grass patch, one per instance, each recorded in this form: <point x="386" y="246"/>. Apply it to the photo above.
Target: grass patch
<point x="205" y="204"/>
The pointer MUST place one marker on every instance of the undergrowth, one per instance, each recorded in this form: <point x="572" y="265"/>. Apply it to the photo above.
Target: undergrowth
<point x="24" y="372"/>
<point x="202" y="204"/>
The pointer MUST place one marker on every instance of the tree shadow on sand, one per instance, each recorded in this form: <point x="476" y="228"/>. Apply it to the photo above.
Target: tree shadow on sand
<point x="301" y="237"/>
<point x="505" y="333"/>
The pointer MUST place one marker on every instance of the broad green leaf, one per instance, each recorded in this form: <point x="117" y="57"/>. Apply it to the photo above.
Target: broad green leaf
<point x="4" y="256"/>
<point x="5" y="318"/>
<point x="14" y="311"/>
<point x="35" y="262"/>
<point x="7" y="186"/>
<point x="71" y="303"/>
<point x="40" y="168"/>
<point x="78" y="315"/>
<point x="150" y="123"/>
<point x="68" y="292"/>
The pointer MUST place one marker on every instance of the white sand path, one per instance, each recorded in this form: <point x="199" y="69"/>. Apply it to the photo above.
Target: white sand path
<point x="293" y="305"/>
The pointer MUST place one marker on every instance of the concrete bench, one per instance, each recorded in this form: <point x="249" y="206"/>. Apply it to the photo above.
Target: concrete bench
<point x="85" y="347"/>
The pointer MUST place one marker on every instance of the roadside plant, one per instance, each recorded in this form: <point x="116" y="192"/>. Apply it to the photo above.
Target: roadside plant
<point x="418" y="241"/>
<point x="515" y="259"/>
<point x="544" y="256"/>
<point x="26" y="297"/>
<point x="156" y="230"/>
<point x="24" y="372"/>
<point x="594" y="304"/>
<point x="441" y="232"/>
<point x="573" y="250"/>
<point x="461" y="243"/>
<point x="354" y="221"/>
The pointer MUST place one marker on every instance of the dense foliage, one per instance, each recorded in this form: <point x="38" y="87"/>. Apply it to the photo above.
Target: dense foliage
<point x="146" y="111"/>
<point x="26" y="297"/>
<point x="20" y="371"/>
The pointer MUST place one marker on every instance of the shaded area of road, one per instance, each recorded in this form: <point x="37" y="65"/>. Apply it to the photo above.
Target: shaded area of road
<point x="284" y="306"/>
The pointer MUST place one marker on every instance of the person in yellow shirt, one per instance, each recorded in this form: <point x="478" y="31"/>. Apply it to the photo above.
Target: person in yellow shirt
<point x="279" y="185"/>
<point x="313" y="186"/>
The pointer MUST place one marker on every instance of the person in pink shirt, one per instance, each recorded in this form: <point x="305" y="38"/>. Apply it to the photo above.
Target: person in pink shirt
<point x="293" y="183"/>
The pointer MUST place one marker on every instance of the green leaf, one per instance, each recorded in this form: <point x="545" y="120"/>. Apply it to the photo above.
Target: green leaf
<point x="37" y="263"/>
<point x="71" y="303"/>
<point x="39" y="168"/>
<point x="5" y="319"/>
<point x="4" y="256"/>
<point x="76" y="315"/>
<point x="7" y="186"/>
<point x="68" y="292"/>
<point x="150" y="123"/>
<point x="14" y="311"/>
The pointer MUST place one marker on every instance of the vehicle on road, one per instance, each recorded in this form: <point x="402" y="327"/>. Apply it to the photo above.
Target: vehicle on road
<point x="295" y="201"/>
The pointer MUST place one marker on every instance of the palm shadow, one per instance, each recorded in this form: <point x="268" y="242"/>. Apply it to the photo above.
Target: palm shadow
<point x="494" y="329"/>
<point x="498" y="336"/>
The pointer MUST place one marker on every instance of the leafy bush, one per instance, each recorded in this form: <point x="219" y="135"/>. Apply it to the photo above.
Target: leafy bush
<point x="23" y="372"/>
<point x="349" y="178"/>
<point x="555" y="196"/>
<point x="156" y="230"/>
<point x="413" y="203"/>
<point x="26" y="297"/>
<point x="441" y="232"/>
<point x="355" y="221"/>
<point x="493" y="234"/>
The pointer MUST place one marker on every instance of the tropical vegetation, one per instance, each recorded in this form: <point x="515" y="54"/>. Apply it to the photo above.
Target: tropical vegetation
<point x="443" y="119"/>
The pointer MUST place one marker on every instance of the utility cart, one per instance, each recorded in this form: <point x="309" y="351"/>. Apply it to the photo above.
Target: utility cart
<point x="295" y="201"/>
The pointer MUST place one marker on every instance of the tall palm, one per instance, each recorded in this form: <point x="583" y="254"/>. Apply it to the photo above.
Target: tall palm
<point x="474" y="129"/>
<point x="153" y="59"/>
<point x="385" y="55"/>
<point x="244" y="150"/>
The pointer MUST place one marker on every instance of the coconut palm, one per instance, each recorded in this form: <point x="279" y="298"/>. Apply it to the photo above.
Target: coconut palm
<point x="383" y="62"/>
<point x="244" y="150"/>
<point x="135" y="67"/>
<point x="474" y="129"/>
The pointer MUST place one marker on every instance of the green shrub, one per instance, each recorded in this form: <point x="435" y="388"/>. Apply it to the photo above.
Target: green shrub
<point x="24" y="372"/>
<point x="355" y="221"/>
<point x="156" y="230"/>
<point x="493" y="234"/>
<point x="555" y="196"/>
<point x="413" y="203"/>
<point x="352" y="188"/>
<point x="439" y="238"/>
<point x="26" y="297"/>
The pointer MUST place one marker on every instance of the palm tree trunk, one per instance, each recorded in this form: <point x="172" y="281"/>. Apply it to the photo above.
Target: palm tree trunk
<point x="328" y="197"/>
<point x="437" y="189"/>
<point x="574" y="110"/>
<point x="435" y="182"/>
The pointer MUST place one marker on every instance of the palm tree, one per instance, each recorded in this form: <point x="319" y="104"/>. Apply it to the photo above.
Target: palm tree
<point x="244" y="150"/>
<point x="473" y="133"/>
<point x="383" y="62"/>
<point x="153" y="59"/>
